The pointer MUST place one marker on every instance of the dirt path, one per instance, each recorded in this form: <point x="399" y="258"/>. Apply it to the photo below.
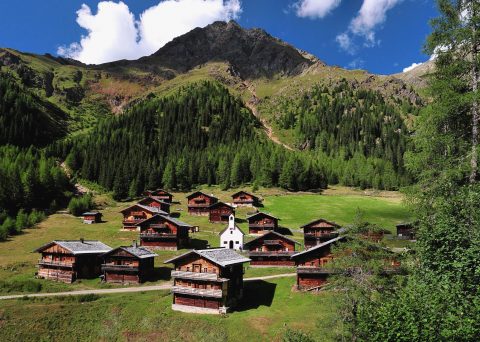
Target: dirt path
<point x="125" y="289"/>
<point x="80" y="189"/>
<point x="252" y="105"/>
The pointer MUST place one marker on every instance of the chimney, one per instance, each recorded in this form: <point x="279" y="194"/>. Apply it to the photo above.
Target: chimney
<point x="134" y="244"/>
<point x="82" y="240"/>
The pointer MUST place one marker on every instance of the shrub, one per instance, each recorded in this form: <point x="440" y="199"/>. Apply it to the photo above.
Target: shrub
<point x="78" y="205"/>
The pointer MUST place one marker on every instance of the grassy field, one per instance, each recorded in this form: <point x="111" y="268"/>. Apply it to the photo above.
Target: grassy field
<point x="268" y="309"/>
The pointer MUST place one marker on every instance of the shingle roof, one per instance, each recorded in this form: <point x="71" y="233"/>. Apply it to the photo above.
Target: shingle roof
<point x="166" y="217"/>
<point x="139" y="252"/>
<point x="326" y="243"/>
<point x="92" y="213"/>
<point x="153" y="210"/>
<point x="78" y="246"/>
<point x="244" y="192"/>
<point x="199" y="193"/>
<point x="158" y="200"/>
<point x="221" y="203"/>
<point x="261" y="213"/>
<point x="272" y="233"/>
<point x="320" y="220"/>
<point x="219" y="256"/>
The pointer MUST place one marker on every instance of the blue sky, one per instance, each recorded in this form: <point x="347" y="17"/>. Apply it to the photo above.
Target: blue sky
<point x="380" y="41"/>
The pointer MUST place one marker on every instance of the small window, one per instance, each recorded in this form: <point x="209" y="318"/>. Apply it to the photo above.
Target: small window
<point x="205" y="270"/>
<point x="188" y="269"/>
<point x="237" y="242"/>
<point x="225" y="242"/>
<point x="231" y="232"/>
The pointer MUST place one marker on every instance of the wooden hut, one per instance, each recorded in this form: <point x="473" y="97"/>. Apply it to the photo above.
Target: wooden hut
<point x="260" y="223"/>
<point x="207" y="280"/>
<point x="69" y="260"/>
<point x="406" y="231"/>
<point x="164" y="232"/>
<point x="92" y="217"/>
<point x="271" y="249"/>
<point x="138" y="213"/>
<point x="156" y="203"/>
<point x="128" y="264"/>
<point x="319" y="231"/>
<point x="160" y="194"/>
<point x="220" y="212"/>
<point x="245" y="199"/>
<point x="311" y="271"/>
<point x="199" y="203"/>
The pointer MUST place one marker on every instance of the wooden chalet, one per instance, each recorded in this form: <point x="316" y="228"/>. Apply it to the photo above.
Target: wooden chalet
<point x="160" y="194"/>
<point x="138" y="213"/>
<point x="319" y="231"/>
<point x="156" y="203"/>
<point x="199" y="203"/>
<point x="207" y="281"/>
<point x="69" y="260"/>
<point x="164" y="232"/>
<point x="220" y="212"/>
<point x="260" y="223"/>
<point x="245" y="199"/>
<point x="406" y="231"/>
<point x="92" y="217"/>
<point x="271" y="249"/>
<point x="128" y="264"/>
<point x="311" y="271"/>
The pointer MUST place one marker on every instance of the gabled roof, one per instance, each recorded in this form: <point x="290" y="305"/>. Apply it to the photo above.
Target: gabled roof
<point x="261" y="213"/>
<point x="200" y="193"/>
<point x="152" y="210"/>
<point x="88" y="213"/>
<point x="326" y="243"/>
<point x="77" y="247"/>
<point x="154" y="199"/>
<point x="220" y="256"/>
<point x="167" y="218"/>
<point x="271" y="233"/>
<point x="139" y="252"/>
<point x="321" y="220"/>
<point x="244" y="192"/>
<point x="221" y="203"/>
<point x="159" y="190"/>
<point x="224" y="230"/>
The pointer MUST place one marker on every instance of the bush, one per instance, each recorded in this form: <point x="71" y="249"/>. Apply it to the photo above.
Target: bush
<point x="79" y="205"/>
<point x="296" y="336"/>
<point x="9" y="226"/>
<point x="21" y="221"/>
<point x="35" y="217"/>
<point x="30" y="286"/>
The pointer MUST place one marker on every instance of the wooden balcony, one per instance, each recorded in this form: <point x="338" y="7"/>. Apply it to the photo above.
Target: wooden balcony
<point x="318" y="235"/>
<point x="197" y="292"/>
<point x="271" y="253"/>
<point x="155" y="236"/>
<point x="55" y="264"/>
<point x="195" y="275"/>
<point x="314" y="270"/>
<point x="123" y="268"/>
<point x="272" y="242"/>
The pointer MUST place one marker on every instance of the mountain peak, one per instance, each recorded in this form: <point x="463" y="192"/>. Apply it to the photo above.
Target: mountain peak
<point x="251" y="52"/>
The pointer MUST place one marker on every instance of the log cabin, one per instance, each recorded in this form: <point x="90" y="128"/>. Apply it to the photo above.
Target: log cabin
<point x="156" y="202"/>
<point x="271" y="249"/>
<point x="207" y="280"/>
<point x="319" y="231"/>
<point x="220" y="212"/>
<point x="138" y="213"/>
<point x="406" y="231"/>
<point x="92" y="217"/>
<point x="160" y="194"/>
<point x="311" y="270"/>
<point x="164" y="233"/>
<point x="260" y="223"/>
<point x="245" y="199"/>
<point x="128" y="264"/>
<point x="69" y="260"/>
<point x="199" y="203"/>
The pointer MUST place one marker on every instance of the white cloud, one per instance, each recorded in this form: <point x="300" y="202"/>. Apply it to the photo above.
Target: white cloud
<point x="315" y="8"/>
<point x="371" y="14"/>
<point x="113" y="32"/>
<point x="346" y="43"/>
<point x="411" y="67"/>
<point x="357" y="63"/>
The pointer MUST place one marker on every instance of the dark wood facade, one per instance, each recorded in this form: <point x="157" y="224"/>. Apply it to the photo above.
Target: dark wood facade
<point x="156" y="203"/>
<point x="311" y="270"/>
<point x="67" y="261"/>
<point x="271" y="249"/>
<point x="138" y="213"/>
<point x="92" y="217"/>
<point x="319" y="231"/>
<point x="207" y="281"/>
<point x="245" y="199"/>
<point x="160" y="194"/>
<point x="261" y="223"/>
<point x="163" y="232"/>
<point x="406" y="231"/>
<point x="199" y="203"/>
<point x="128" y="265"/>
<point x="220" y="212"/>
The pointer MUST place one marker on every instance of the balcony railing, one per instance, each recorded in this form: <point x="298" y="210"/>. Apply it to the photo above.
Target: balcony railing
<point x="194" y="275"/>
<point x="52" y="263"/>
<point x="272" y="242"/>
<point x="321" y="235"/>
<point x="271" y="253"/>
<point x="264" y="226"/>
<point x="109" y="267"/>
<point x="158" y="236"/>
<point x="197" y="292"/>
<point x="315" y="270"/>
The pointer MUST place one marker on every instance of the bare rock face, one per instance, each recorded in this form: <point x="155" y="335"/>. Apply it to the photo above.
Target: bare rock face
<point x="253" y="52"/>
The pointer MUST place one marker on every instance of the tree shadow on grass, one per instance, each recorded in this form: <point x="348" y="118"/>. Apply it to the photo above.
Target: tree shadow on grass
<point x="198" y="243"/>
<point x="256" y="293"/>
